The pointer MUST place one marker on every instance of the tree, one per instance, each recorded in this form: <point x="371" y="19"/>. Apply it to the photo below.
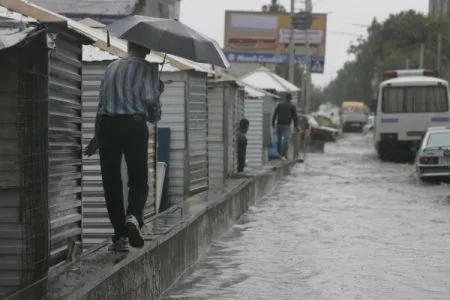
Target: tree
<point x="274" y="6"/>
<point x="388" y="46"/>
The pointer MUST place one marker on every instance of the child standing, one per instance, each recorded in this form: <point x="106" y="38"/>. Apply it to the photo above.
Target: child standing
<point x="242" y="144"/>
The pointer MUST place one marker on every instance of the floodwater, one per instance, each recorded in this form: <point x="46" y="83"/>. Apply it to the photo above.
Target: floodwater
<point x="342" y="226"/>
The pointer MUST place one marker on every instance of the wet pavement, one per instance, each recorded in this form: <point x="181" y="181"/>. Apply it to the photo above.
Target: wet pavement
<point x="342" y="226"/>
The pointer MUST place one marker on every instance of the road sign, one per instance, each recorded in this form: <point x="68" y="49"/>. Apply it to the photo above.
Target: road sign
<point x="317" y="63"/>
<point x="316" y="66"/>
<point x="302" y="20"/>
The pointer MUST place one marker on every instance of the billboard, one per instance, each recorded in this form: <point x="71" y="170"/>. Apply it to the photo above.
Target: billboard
<point x="264" y="37"/>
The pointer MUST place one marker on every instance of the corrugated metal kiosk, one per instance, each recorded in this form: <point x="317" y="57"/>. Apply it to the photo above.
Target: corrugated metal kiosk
<point x="96" y="224"/>
<point x="185" y="112"/>
<point x="225" y="109"/>
<point x="40" y="154"/>
<point x="268" y="81"/>
<point x="258" y="110"/>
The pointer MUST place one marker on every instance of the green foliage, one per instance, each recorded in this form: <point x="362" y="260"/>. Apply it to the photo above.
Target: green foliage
<point x="387" y="47"/>
<point x="274" y="6"/>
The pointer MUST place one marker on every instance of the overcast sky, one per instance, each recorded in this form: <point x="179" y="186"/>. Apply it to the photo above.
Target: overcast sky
<point x="207" y="16"/>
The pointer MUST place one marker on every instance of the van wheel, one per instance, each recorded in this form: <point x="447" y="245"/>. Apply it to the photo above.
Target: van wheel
<point x="382" y="155"/>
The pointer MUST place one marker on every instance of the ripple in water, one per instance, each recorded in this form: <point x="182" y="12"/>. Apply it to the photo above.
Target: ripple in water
<point x="344" y="227"/>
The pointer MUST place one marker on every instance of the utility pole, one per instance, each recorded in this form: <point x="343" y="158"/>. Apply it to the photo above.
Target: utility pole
<point x="308" y="8"/>
<point x="292" y="46"/>
<point x="422" y="53"/>
<point x="439" y="54"/>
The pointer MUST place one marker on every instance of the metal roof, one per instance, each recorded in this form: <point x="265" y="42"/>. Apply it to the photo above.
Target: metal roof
<point x="413" y="80"/>
<point x="95" y="54"/>
<point x="248" y="88"/>
<point x="265" y="79"/>
<point x="117" y="46"/>
<point x="97" y="7"/>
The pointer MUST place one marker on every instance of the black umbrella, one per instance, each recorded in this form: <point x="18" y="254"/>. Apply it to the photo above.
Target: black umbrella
<point x="169" y="36"/>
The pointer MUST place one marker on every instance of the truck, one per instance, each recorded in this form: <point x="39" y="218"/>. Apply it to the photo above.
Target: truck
<point x="354" y="116"/>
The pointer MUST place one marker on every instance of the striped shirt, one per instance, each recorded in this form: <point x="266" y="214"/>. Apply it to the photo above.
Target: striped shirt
<point x="129" y="83"/>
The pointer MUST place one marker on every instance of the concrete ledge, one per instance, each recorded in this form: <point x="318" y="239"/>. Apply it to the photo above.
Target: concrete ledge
<point x="176" y="238"/>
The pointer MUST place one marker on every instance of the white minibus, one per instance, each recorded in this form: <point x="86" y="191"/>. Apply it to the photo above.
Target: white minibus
<point x="408" y="103"/>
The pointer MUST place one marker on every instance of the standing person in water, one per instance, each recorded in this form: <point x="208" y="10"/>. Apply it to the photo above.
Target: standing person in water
<point x="284" y="115"/>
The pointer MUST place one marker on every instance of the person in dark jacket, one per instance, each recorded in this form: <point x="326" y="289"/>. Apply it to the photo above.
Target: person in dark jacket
<point x="284" y="115"/>
<point x="242" y="144"/>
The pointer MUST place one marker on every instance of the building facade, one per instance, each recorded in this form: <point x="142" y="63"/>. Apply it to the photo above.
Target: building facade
<point x="107" y="11"/>
<point x="439" y="7"/>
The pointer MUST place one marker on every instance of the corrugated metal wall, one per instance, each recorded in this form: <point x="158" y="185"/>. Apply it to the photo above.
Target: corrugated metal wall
<point x="96" y="224"/>
<point x="255" y="149"/>
<point x="239" y="115"/>
<point x="150" y="205"/>
<point x="216" y="141"/>
<point x="230" y="107"/>
<point x="240" y="104"/>
<point x="197" y="117"/>
<point x="173" y="102"/>
<point x="24" y="168"/>
<point x="65" y="146"/>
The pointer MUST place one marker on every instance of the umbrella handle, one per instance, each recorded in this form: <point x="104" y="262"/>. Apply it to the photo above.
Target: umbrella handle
<point x="108" y="39"/>
<point x="162" y="66"/>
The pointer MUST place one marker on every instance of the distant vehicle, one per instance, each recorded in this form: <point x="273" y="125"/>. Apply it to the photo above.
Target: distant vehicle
<point x="354" y="116"/>
<point x="318" y="132"/>
<point x="433" y="157"/>
<point x="408" y="103"/>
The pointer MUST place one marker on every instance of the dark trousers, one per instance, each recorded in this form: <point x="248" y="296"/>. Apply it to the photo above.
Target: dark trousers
<point x="283" y="136"/>
<point x="124" y="135"/>
<point x="241" y="151"/>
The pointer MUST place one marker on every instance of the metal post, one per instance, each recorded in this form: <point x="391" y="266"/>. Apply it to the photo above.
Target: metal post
<point x="407" y="63"/>
<point x="292" y="46"/>
<point x="422" y="53"/>
<point x="308" y="8"/>
<point x="439" y="54"/>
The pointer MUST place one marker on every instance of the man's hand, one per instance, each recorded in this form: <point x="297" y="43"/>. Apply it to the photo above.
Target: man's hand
<point x="161" y="87"/>
<point x="91" y="148"/>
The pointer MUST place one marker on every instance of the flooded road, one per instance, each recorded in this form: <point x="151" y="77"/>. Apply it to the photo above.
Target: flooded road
<point x="343" y="226"/>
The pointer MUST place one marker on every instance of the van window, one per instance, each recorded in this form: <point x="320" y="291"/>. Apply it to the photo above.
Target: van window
<point x="415" y="99"/>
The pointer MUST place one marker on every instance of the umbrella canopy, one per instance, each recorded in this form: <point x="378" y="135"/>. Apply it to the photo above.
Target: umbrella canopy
<point x="169" y="36"/>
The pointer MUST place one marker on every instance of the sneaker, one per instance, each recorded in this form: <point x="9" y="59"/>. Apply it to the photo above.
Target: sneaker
<point x="119" y="245"/>
<point x="134" y="232"/>
<point x="283" y="158"/>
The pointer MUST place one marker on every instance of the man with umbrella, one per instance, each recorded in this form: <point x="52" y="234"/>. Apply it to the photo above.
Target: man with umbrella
<point x="129" y="96"/>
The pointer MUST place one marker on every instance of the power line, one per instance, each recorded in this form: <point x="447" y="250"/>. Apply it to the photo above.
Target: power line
<point x="344" y="33"/>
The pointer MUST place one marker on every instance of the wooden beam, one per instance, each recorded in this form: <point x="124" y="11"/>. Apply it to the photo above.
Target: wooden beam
<point x="111" y="49"/>
<point x="32" y="11"/>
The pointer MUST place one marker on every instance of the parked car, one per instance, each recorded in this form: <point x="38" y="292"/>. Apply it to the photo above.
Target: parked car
<point x="433" y="157"/>
<point x="320" y="133"/>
